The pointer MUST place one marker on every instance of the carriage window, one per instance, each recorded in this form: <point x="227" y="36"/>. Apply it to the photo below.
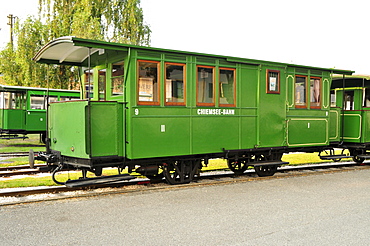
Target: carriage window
<point x="367" y="98"/>
<point x="175" y="84"/>
<point x="333" y="98"/>
<point x="4" y="100"/>
<point x="300" y="91"/>
<point x="101" y="83"/>
<point x="148" y="79"/>
<point x="89" y="83"/>
<point x="315" y="92"/>
<point x="227" y="87"/>
<point x="14" y="100"/>
<point x="348" y="100"/>
<point x="273" y="81"/>
<point x="67" y="98"/>
<point x="205" y="86"/>
<point x="37" y="102"/>
<point x="117" y="78"/>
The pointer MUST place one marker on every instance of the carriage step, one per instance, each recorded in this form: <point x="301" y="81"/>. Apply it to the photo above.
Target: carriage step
<point x="333" y="157"/>
<point x="98" y="180"/>
<point x="269" y="163"/>
<point x="364" y="156"/>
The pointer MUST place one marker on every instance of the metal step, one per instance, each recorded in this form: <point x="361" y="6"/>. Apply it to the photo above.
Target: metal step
<point x="98" y="180"/>
<point x="333" y="157"/>
<point x="364" y="156"/>
<point x="268" y="163"/>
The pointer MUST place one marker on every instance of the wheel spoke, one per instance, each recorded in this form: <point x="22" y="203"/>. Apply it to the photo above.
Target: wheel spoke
<point x="180" y="172"/>
<point x="238" y="167"/>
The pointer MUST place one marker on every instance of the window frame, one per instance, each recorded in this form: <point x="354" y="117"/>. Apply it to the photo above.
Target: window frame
<point x="112" y="93"/>
<point x="154" y="103"/>
<point x="213" y="86"/>
<point x="102" y="85"/>
<point x="165" y="85"/>
<point x="364" y="96"/>
<point x="351" y="93"/>
<point x="320" y="93"/>
<point x="306" y="92"/>
<point x="268" y="91"/>
<point x="234" y="87"/>
<point x="42" y="104"/>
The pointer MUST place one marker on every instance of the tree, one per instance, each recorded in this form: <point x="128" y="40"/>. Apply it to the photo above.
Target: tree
<point x="16" y="64"/>
<point x="106" y="20"/>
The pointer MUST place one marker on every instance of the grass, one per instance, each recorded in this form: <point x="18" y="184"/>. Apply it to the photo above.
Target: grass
<point x="307" y="158"/>
<point x="18" y="145"/>
<point x="22" y="145"/>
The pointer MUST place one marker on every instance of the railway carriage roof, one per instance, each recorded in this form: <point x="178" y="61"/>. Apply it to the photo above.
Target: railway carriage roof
<point x="75" y="51"/>
<point x="358" y="81"/>
<point x="14" y="88"/>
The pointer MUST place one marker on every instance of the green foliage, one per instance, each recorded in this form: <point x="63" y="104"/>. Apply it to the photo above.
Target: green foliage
<point x="106" y="20"/>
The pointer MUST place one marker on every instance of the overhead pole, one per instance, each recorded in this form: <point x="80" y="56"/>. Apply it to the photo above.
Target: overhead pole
<point x="11" y="24"/>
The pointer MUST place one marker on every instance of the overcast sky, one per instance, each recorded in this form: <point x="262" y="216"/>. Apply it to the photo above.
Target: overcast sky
<point x="322" y="33"/>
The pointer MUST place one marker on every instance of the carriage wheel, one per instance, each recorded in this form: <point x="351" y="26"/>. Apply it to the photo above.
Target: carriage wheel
<point x="238" y="167"/>
<point x="98" y="171"/>
<point x="355" y="153"/>
<point x="264" y="171"/>
<point x="180" y="172"/>
<point x="358" y="160"/>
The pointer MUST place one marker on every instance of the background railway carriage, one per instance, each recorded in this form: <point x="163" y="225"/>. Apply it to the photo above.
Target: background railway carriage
<point x="156" y="109"/>
<point x="350" y="115"/>
<point x="23" y="109"/>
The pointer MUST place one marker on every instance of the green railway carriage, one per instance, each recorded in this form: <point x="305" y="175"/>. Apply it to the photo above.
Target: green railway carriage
<point x="350" y="101"/>
<point x="23" y="109"/>
<point x="155" y="110"/>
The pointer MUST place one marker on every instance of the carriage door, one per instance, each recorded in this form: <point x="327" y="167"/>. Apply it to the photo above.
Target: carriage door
<point x="272" y="112"/>
<point x="36" y="115"/>
<point x="14" y="111"/>
<point x="352" y="115"/>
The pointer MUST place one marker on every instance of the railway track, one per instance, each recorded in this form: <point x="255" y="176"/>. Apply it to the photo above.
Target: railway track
<point x="207" y="178"/>
<point x="13" y="154"/>
<point x="22" y="170"/>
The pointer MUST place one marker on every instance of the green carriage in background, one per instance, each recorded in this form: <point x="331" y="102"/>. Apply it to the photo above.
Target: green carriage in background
<point x="166" y="112"/>
<point x="350" y="101"/>
<point x="23" y="109"/>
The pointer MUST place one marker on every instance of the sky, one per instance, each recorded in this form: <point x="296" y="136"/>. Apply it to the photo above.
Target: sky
<point x="320" y="33"/>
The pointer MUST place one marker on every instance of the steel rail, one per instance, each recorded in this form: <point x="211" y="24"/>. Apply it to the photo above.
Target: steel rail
<point x="13" y="154"/>
<point x="10" y="168"/>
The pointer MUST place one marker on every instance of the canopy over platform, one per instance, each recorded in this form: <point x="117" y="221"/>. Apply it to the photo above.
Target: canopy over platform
<point x="75" y="51"/>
